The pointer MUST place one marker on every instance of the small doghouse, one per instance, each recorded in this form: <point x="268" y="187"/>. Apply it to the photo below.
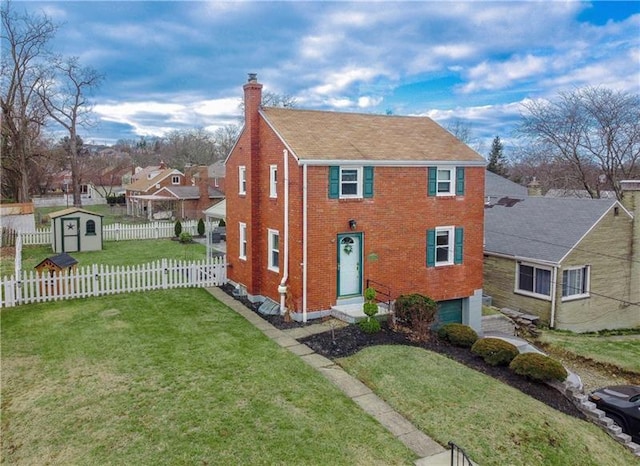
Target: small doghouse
<point x="55" y="265"/>
<point x="75" y="229"/>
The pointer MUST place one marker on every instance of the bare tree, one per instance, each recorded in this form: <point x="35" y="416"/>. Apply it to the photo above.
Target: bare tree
<point x="586" y="128"/>
<point x="225" y="138"/>
<point x="65" y="97"/>
<point x="24" y="48"/>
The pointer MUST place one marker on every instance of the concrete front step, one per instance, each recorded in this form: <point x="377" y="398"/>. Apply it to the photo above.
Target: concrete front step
<point x="353" y="313"/>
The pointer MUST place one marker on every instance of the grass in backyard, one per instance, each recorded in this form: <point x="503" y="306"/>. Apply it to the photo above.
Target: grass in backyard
<point x="619" y="350"/>
<point x="111" y="214"/>
<point x="114" y="253"/>
<point x="494" y="423"/>
<point x="169" y="377"/>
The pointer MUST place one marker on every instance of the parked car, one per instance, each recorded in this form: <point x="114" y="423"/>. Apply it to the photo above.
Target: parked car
<point x="622" y="404"/>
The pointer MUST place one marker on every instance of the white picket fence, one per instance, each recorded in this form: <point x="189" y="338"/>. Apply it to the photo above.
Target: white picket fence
<point x="98" y="280"/>
<point x="122" y="232"/>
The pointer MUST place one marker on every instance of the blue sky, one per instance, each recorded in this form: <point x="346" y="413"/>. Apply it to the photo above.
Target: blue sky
<point x="176" y="65"/>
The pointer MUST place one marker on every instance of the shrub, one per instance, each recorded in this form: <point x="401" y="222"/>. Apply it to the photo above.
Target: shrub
<point x="538" y="367"/>
<point x="495" y="351"/>
<point x="458" y="334"/>
<point x="222" y="224"/>
<point x="370" y="308"/>
<point x="177" y="228"/>
<point x="201" y="227"/>
<point x="369" y="325"/>
<point x="415" y="312"/>
<point x="185" y="237"/>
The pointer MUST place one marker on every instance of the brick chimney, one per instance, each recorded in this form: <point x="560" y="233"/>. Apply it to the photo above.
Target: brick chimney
<point x="534" y="188"/>
<point x="252" y="101"/>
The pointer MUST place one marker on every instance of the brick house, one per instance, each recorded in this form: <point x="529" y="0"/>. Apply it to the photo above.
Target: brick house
<point x="321" y="203"/>
<point x="161" y="192"/>
<point x="569" y="261"/>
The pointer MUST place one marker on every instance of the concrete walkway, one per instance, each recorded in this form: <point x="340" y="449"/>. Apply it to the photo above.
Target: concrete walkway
<point x="430" y="452"/>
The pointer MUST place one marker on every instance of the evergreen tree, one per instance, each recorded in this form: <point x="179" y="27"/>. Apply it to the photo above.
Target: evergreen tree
<point x="496" y="158"/>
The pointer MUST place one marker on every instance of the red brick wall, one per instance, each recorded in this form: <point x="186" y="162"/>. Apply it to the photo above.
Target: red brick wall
<point x="393" y="223"/>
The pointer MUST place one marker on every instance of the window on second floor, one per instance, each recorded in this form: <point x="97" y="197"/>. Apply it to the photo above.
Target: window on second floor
<point x="575" y="283"/>
<point x="242" y="179"/>
<point x="273" y="181"/>
<point x="350" y="182"/>
<point x="534" y="280"/>
<point x="175" y="179"/>
<point x="445" y="181"/>
<point x="274" y="250"/>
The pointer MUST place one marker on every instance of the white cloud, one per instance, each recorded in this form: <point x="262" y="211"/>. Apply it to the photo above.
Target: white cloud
<point x="368" y="101"/>
<point x="493" y="75"/>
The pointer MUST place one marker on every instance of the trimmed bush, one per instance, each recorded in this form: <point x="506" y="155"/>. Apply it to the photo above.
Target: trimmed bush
<point x="538" y="367"/>
<point x="495" y="351"/>
<point x="415" y="312"/>
<point x="177" y="228"/>
<point x="369" y="325"/>
<point x="458" y="334"/>
<point x="221" y="223"/>
<point x="185" y="237"/>
<point x="370" y="309"/>
<point x="201" y="227"/>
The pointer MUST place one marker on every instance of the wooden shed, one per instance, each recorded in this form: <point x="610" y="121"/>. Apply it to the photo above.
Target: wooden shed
<point x="75" y="229"/>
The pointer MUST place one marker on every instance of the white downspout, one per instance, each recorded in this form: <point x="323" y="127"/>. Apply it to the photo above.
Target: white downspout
<point x="304" y="243"/>
<point x="554" y="284"/>
<point x="282" y="289"/>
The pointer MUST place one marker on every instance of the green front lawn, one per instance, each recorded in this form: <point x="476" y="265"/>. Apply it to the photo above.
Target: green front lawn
<point x="493" y="422"/>
<point x="169" y="377"/>
<point x="114" y="253"/>
<point x="619" y="350"/>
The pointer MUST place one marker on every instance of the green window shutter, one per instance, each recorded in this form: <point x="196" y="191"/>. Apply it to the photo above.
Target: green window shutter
<point x="368" y="182"/>
<point x="334" y="182"/>
<point x="432" y="181"/>
<point x="458" y="251"/>
<point x="431" y="248"/>
<point x="460" y="181"/>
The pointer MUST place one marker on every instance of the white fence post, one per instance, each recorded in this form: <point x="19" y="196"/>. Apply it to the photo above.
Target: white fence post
<point x="18" y="257"/>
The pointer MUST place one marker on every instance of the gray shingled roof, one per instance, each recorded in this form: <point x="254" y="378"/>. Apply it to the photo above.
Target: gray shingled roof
<point x="541" y="228"/>
<point x="495" y="186"/>
<point x="192" y="192"/>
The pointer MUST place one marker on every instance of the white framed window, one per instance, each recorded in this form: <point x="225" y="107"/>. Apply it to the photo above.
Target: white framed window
<point x="242" y="179"/>
<point x="216" y="183"/>
<point x="243" y="241"/>
<point x="444" y="245"/>
<point x="533" y="280"/>
<point x="350" y="182"/>
<point x="175" y="179"/>
<point x="575" y="283"/>
<point x="274" y="250"/>
<point x="273" y="181"/>
<point x="446" y="181"/>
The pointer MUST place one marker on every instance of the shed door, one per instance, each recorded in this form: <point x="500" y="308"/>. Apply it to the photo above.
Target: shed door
<point x="70" y="234"/>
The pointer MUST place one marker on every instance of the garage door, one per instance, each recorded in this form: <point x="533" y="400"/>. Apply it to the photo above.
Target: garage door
<point x="450" y="312"/>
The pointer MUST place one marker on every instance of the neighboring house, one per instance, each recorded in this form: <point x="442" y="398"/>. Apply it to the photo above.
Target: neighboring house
<point x="320" y="204"/>
<point x="188" y="202"/>
<point x="140" y="196"/>
<point x="217" y="174"/>
<point x="75" y="229"/>
<point x="567" y="260"/>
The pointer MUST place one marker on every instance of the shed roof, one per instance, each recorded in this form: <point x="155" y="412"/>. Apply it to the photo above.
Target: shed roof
<point x="327" y="136"/>
<point x="72" y="210"/>
<point x="541" y="228"/>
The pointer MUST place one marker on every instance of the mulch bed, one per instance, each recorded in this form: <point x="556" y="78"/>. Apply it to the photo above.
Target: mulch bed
<point x="345" y="341"/>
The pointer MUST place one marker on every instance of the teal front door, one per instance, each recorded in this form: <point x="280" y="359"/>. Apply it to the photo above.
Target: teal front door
<point x="349" y="264"/>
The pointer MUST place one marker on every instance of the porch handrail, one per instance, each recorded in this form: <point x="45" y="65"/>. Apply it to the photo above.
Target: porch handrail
<point x="459" y="456"/>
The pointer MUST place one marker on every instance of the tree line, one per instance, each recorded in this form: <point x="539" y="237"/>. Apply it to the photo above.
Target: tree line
<point x="587" y="139"/>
